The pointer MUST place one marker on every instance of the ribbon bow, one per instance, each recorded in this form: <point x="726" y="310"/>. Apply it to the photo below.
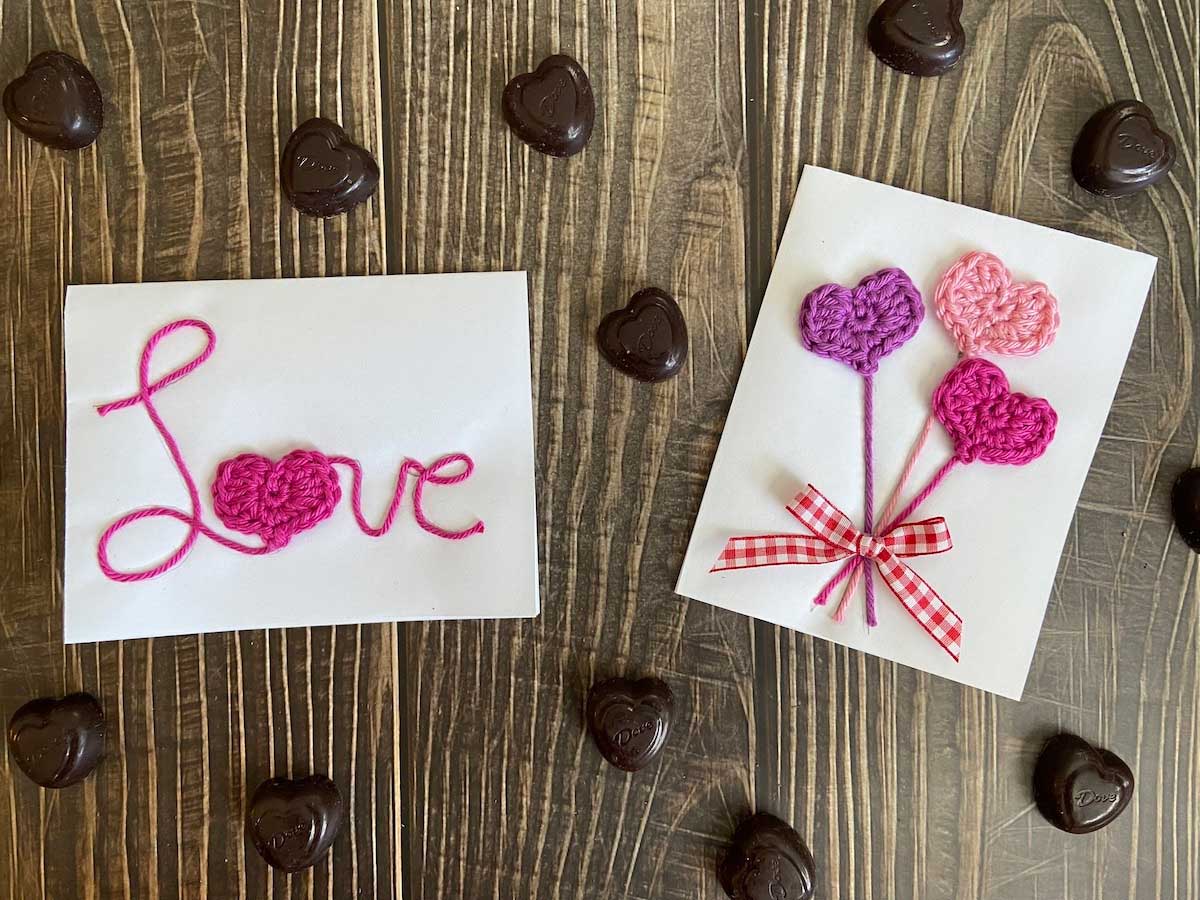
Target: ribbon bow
<point x="835" y="538"/>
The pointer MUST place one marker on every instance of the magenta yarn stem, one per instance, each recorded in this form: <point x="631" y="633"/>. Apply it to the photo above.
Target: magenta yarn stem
<point x="847" y="567"/>
<point x="859" y="565"/>
<point x="925" y="493"/>
<point x="869" y="483"/>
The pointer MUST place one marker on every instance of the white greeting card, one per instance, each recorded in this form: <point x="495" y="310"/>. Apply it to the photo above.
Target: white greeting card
<point x="797" y="419"/>
<point x="331" y="374"/>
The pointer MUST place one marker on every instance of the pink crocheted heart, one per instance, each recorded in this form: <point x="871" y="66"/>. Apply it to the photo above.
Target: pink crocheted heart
<point x="989" y="422"/>
<point x="986" y="312"/>
<point x="275" y="500"/>
<point x="860" y="326"/>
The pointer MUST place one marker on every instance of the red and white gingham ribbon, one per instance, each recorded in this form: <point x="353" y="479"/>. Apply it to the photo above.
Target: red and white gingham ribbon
<point x="835" y="538"/>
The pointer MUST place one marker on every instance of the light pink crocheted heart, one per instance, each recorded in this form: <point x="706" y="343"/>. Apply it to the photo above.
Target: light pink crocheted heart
<point x="987" y="421"/>
<point x="275" y="500"/>
<point x="986" y="312"/>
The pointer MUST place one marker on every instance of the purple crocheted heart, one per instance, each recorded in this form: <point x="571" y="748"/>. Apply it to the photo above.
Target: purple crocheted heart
<point x="989" y="422"/>
<point x="275" y="500"/>
<point x="860" y="327"/>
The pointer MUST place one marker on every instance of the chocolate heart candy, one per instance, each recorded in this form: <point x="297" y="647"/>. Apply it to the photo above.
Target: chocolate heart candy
<point x="630" y="720"/>
<point x="767" y="861"/>
<point x="58" y="742"/>
<point x="56" y="102"/>
<point x="1185" y="507"/>
<point x="1079" y="788"/>
<point x="323" y="173"/>
<point x="551" y="109"/>
<point x="293" y="822"/>
<point x="648" y="338"/>
<point x="918" y="37"/>
<point x="1121" y="151"/>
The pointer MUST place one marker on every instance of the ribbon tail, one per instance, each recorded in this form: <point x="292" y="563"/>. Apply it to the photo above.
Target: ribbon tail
<point x="755" y="551"/>
<point x="923" y="603"/>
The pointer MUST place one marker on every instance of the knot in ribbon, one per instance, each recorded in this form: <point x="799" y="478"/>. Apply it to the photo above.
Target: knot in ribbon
<point x="870" y="547"/>
<point x="833" y="538"/>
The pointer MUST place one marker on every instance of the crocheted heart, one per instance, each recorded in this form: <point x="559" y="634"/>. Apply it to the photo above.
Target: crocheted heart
<point x="862" y="325"/>
<point x="986" y="312"/>
<point x="275" y="500"/>
<point x="989" y="422"/>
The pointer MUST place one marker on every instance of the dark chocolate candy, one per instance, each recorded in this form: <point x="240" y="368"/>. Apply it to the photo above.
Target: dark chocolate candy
<point x="1078" y="788"/>
<point x="56" y="102"/>
<point x="1185" y="506"/>
<point x="767" y="861"/>
<point x="647" y="339"/>
<point x="552" y="109"/>
<point x="323" y="173"/>
<point x="57" y="742"/>
<point x="630" y="720"/>
<point x="293" y="822"/>
<point x="1121" y="151"/>
<point x="918" y="37"/>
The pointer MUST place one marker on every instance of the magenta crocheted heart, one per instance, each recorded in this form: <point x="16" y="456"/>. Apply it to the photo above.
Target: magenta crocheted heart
<point x="275" y="500"/>
<point x="989" y="422"/>
<point x="861" y="326"/>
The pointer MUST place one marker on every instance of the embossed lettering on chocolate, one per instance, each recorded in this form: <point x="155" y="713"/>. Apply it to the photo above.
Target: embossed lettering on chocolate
<point x="58" y="742"/>
<point x="552" y="109"/>
<point x="918" y="37"/>
<point x="630" y="720"/>
<point x="1121" y="150"/>
<point x="292" y="823"/>
<point x="323" y="173"/>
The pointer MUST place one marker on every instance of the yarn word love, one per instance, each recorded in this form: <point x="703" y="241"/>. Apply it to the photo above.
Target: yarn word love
<point x="271" y="500"/>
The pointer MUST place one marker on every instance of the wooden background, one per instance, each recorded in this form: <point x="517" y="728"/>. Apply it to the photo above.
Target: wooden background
<point x="460" y="746"/>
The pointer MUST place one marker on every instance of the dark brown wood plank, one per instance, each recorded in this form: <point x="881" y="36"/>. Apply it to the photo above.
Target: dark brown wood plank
<point x="506" y="796"/>
<point x="181" y="185"/>
<point x="914" y="787"/>
<point x="462" y="743"/>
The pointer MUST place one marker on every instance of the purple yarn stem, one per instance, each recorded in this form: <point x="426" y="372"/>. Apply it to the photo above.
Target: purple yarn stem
<point x="869" y="484"/>
<point x="847" y="567"/>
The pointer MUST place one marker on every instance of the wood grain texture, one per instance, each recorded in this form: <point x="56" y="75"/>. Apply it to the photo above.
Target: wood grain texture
<point x="181" y="185"/>
<point x="461" y="746"/>
<point x="907" y="785"/>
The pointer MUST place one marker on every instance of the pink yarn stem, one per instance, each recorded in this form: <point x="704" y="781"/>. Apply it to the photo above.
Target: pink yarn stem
<point x="194" y="520"/>
<point x="859" y="564"/>
<point x="844" y="572"/>
<point x="938" y="477"/>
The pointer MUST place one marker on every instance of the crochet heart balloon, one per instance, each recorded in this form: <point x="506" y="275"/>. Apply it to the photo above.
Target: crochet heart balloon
<point x="275" y="500"/>
<point x="987" y="312"/>
<point x="989" y="422"/>
<point x="859" y="326"/>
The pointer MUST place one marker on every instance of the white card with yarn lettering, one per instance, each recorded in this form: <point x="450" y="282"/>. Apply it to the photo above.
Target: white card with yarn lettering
<point x="267" y="454"/>
<point x="798" y="419"/>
